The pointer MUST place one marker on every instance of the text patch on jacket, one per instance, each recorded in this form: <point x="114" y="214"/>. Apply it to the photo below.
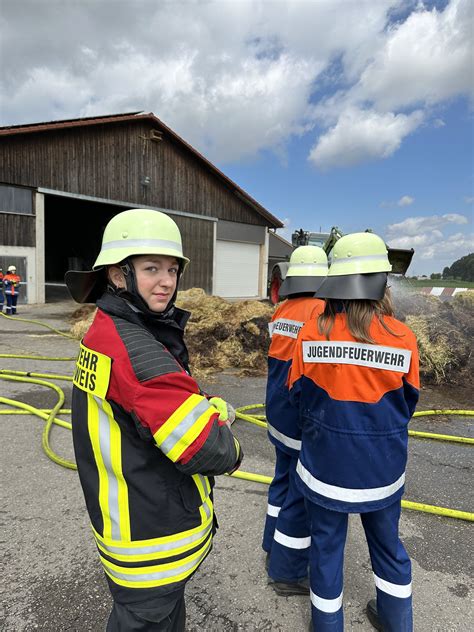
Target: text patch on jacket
<point x="92" y="372"/>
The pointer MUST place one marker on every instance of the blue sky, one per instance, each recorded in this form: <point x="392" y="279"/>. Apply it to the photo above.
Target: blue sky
<point x="329" y="112"/>
<point x="430" y="175"/>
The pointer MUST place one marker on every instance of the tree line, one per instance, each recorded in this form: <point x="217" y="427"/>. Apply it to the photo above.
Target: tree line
<point x="462" y="269"/>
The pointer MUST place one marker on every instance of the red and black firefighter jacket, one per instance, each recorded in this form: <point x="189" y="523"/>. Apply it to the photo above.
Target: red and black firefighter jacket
<point x="147" y="444"/>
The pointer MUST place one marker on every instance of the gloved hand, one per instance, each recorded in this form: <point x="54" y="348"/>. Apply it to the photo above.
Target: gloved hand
<point x="226" y="411"/>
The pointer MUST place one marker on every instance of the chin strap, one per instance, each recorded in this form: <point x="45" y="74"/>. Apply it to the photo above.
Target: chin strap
<point x="131" y="294"/>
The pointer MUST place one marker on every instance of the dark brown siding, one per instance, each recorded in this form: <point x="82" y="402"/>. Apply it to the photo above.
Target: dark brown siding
<point x="198" y="239"/>
<point x="17" y="230"/>
<point x="110" y="161"/>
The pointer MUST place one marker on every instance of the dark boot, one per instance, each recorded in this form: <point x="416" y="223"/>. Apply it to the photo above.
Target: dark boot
<point x="287" y="589"/>
<point x="267" y="562"/>
<point x="372" y="615"/>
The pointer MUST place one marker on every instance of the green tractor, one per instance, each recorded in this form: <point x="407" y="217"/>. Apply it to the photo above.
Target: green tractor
<point x="398" y="257"/>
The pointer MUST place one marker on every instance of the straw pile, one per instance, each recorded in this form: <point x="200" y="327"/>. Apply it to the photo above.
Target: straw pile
<point x="223" y="335"/>
<point x="220" y="335"/>
<point x="444" y="332"/>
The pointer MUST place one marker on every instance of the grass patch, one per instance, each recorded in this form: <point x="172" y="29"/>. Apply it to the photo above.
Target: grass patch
<point x="436" y="283"/>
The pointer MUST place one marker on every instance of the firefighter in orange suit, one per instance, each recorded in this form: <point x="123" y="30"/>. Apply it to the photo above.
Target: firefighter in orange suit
<point x="11" y="283"/>
<point x="147" y="441"/>
<point x="354" y="378"/>
<point x="286" y="537"/>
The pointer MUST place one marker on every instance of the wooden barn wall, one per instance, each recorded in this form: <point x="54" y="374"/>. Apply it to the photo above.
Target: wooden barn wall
<point x="198" y="245"/>
<point x="109" y="161"/>
<point x="17" y="230"/>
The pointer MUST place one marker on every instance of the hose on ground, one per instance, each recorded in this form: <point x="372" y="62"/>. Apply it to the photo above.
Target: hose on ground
<point x="242" y="413"/>
<point x="50" y="416"/>
<point x="38" y="322"/>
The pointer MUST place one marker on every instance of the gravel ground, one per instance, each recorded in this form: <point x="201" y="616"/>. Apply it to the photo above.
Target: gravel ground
<point x="51" y="576"/>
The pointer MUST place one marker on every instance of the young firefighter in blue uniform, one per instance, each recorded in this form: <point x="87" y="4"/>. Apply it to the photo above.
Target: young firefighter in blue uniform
<point x="286" y="537"/>
<point x="147" y="441"/>
<point x="355" y="380"/>
<point x="11" y="282"/>
<point x="2" y="299"/>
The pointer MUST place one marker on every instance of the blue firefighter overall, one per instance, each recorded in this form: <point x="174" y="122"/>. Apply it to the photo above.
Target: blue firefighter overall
<point x="286" y="535"/>
<point x="355" y="402"/>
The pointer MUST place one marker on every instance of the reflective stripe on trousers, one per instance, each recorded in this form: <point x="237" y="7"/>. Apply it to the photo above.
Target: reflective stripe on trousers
<point x="277" y="493"/>
<point x="390" y="563"/>
<point x="289" y="554"/>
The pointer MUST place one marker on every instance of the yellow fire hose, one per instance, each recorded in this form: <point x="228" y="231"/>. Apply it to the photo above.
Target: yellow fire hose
<point x="50" y="416"/>
<point x="440" y="511"/>
<point x="38" y="322"/>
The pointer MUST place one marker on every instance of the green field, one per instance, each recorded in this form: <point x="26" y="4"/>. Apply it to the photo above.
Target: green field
<point x="438" y="283"/>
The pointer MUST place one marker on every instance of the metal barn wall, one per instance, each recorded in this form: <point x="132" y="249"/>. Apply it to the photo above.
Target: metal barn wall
<point x="121" y="162"/>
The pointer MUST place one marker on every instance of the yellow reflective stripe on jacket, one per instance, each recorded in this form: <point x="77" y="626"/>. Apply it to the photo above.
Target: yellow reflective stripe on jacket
<point x="168" y="544"/>
<point x="113" y="492"/>
<point x="204" y="488"/>
<point x="121" y="510"/>
<point x="184" y="426"/>
<point x="125" y="552"/>
<point x="203" y="485"/>
<point x="157" y="575"/>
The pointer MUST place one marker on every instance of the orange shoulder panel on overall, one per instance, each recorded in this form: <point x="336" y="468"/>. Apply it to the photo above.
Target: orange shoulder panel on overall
<point x="299" y="310"/>
<point x="350" y="382"/>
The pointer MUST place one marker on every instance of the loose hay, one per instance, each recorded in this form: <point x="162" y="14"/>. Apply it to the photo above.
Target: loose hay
<point x="223" y="335"/>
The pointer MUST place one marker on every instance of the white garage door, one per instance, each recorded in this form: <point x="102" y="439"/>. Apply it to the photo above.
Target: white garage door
<point x="237" y="269"/>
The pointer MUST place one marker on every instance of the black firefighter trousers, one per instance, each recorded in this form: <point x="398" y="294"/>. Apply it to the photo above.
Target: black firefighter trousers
<point x="163" y="616"/>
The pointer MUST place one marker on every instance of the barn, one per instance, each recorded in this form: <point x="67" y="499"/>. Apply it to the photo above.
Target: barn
<point x="62" y="181"/>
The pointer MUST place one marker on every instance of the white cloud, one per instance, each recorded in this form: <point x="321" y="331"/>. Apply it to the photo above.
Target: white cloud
<point x="425" y="59"/>
<point x="427" y="235"/>
<point x="405" y="200"/>
<point x="422" y="61"/>
<point x="451" y="248"/>
<point x="236" y="78"/>
<point x="233" y="78"/>
<point x="362" y="135"/>
<point x="287" y="230"/>
<point x="415" y="225"/>
<point x="469" y="199"/>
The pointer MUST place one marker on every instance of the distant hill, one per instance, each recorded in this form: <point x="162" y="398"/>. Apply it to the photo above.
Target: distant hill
<point x="462" y="269"/>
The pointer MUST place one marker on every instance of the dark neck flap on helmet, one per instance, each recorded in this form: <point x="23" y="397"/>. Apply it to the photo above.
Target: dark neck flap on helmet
<point x="300" y="284"/>
<point x="354" y="286"/>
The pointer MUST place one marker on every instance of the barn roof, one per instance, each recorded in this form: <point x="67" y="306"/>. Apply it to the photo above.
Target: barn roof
<point x="127" y="117"/>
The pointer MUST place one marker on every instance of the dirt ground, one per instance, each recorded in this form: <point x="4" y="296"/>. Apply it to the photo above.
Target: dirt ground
<point x="51" y="576"/>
